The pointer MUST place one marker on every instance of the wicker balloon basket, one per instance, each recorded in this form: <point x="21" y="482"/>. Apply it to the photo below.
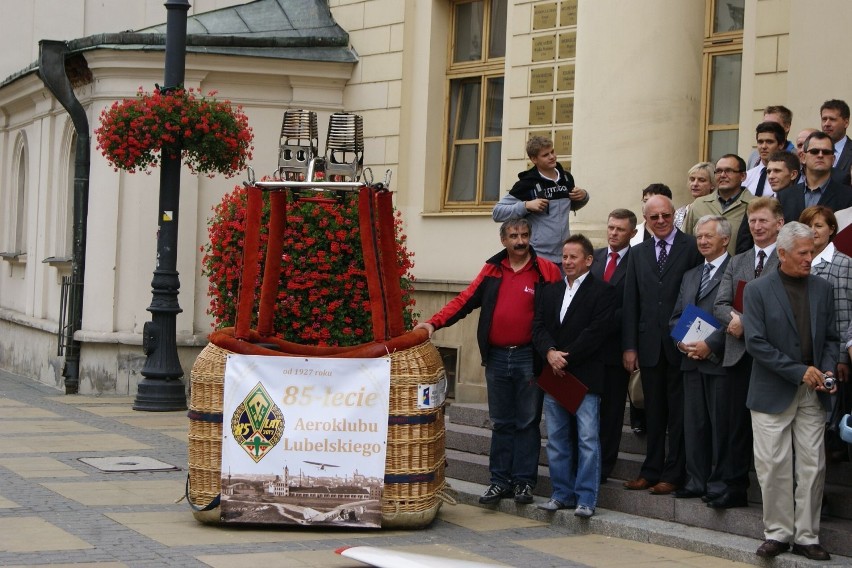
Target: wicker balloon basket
<point x="414" y="466"/>
<point x="414" y="469"/>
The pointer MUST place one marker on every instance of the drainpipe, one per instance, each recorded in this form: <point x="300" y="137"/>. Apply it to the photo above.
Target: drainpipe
<point x="51" y="70"/>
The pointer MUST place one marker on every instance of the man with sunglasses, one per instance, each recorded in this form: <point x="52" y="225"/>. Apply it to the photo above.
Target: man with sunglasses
<point x="655" y="269"/>
<point x="817" y="186"/>
<point x="730" y="199"/>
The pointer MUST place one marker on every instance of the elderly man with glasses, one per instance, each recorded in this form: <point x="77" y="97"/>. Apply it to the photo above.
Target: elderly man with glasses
<point x="655" y="269"/>
<point x="816" y="187"/>
<point x="730" y="199"/>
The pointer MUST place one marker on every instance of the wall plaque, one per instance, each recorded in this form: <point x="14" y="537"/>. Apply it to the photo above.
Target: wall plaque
<point x="565" y="110"/>
<point x="541" y="80"/>
<point x="541" y="112"/>
<point x="568" y="13"/>
<point x="544" y="16"/>
<point x="565" y="78"/>
<point x="544" y="48"/>
<point x="562" y="142"/>
<point x="567" y="45"/>
<point x="545" y="133"/>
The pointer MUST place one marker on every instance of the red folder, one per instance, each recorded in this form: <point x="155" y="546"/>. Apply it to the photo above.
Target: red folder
<point x="567" y="390"/>
<point x="738" y="296"/>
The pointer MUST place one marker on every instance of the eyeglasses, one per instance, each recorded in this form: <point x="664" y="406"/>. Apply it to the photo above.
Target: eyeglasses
<point x="818" y="151"/>
<point x="727" y="171"/>
<point x="658" y="216"/>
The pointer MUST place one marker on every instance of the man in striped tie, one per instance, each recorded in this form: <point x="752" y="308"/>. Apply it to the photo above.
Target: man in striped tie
<point x="704" y="410"/>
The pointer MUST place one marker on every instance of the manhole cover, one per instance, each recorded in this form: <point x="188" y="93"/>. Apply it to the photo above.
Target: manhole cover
<point x="128" y="463"/>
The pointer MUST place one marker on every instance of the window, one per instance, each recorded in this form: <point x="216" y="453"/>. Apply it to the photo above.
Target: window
<point x="475" y="103"/>
<point x="723" y="53"/>
<point x="19" y="183"/>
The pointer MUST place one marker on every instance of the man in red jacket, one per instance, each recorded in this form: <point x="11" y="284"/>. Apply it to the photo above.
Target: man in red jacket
<point x="505" y="290"/>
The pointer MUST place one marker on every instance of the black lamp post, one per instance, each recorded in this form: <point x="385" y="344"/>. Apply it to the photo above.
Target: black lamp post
<point x="162" y="388"/>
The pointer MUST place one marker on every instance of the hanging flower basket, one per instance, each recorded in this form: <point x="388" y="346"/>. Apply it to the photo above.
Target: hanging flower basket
<point x="211" y="136"/>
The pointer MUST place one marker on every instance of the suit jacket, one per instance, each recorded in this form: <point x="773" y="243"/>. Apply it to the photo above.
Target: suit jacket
<point x="741" y="267"/>
<point x="840" y="173"/>
<point x="612" y="344"/>
<point x="772" y="339"/>
<point x="649" y="297"/>
<point x="583" y="330"/>
<point x="836" y="197"/>
<point x="689" y="295"/>
<point x="839" y="273"/>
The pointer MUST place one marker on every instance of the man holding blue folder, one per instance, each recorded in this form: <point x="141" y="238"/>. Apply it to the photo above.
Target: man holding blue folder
<point x="703" y="374"/>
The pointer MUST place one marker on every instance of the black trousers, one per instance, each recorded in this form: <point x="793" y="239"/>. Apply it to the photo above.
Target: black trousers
<point x="736" y="462"/>
<point x="612" y="415"/>
<point x="663" y="389"/>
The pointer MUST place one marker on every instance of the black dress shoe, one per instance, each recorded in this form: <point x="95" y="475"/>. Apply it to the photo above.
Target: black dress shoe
<point x="710" y="497"/>
<point x="811" y="551"/>
<point x="772" y="548"/>
<point x="729" y="501"/>
<point x="687" y="494"/>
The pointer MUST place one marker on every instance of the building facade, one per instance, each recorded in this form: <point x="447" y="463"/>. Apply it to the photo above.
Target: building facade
<point x="631" y="92"/>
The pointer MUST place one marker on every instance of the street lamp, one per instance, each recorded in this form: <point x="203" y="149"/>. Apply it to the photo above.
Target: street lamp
<point x="162" y="388"/>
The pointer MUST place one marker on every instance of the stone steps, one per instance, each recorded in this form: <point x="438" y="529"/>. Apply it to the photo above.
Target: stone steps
<point x="468" y="441"/>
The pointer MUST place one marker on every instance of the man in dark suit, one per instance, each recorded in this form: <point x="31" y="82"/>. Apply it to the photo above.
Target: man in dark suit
<point x="765" y="219"/>
<point x="791" y="334"/>
<point x="703" y="375"/>
<point x="655" y="269"/>
<point x="572" y="319"/>
<point x="834" y="118"/>
<point x="610" y="265"/>
<point x="817" y="186"/>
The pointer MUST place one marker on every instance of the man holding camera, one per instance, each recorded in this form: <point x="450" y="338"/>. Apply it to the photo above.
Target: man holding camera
<point x="788" y="320"/>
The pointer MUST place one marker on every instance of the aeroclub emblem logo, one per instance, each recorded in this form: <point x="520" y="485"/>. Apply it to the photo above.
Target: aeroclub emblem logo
<point x="257" y="423"/>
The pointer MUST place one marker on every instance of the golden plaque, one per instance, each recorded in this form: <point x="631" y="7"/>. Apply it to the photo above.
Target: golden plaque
<point x="567" y="45"/>
<point x="568" y="13"/>
<point x="565" y="110"/>
<point x="565" y="78"/>
<point x="541" y="80"/>
<point x="562" y="142"/>
<point x="541" y="112"/>
<point x="544" y="16"/>
<point x="544" y="48"/>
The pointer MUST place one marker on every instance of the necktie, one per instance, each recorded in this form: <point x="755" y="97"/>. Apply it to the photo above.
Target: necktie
<point x="705" y="280"/>
<point x="610" y="266"/>
<point x="761" y="181"/>
<point x="759" y="268"/>
<point x="664" y="256"/>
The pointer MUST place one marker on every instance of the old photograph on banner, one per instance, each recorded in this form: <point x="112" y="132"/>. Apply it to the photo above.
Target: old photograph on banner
<point x="304" y="440"/>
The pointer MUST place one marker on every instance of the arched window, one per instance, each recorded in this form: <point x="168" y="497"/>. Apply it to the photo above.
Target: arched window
<point x="19" y="206"/>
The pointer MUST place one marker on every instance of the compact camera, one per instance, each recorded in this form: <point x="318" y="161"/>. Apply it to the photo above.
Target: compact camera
<point x="828" y="382"/>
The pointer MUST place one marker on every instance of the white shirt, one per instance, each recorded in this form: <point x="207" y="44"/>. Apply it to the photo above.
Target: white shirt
<point x="716" y="263"/>
<point x="753" y="176"/>
<point x="825" y="256"/>
<point x="569" y="293"/>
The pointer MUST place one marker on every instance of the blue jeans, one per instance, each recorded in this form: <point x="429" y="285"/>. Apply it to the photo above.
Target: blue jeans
<point x="514" y="407"/>
<point x="574" y="486"/>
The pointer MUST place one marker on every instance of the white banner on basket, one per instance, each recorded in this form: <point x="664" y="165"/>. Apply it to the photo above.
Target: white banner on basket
<point x="304" y="440"/>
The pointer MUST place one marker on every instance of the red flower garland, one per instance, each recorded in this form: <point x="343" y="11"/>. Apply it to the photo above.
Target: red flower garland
<point x="210" y="135"/>
<point x="323" y="297"/>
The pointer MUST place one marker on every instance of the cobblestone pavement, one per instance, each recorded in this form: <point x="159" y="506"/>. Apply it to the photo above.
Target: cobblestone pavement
<point x="56" y="510"/>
